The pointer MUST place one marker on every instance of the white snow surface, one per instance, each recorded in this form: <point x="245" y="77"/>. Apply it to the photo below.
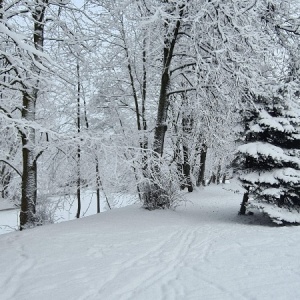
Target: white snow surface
<point x="64" y="208"/>
<point x="201" y="250"/>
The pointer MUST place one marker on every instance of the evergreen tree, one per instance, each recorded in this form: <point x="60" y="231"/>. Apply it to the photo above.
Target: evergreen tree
<point x="269" y="161"/>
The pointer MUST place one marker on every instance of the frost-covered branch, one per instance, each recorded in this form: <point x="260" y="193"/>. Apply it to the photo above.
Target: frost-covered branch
<point x="13" y="167"/>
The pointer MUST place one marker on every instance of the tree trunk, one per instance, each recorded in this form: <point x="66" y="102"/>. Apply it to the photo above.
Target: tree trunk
<point x="98" y="184"/>
<point x="78" y="183"/>
<point x="78" y="147"/>
<point x="5" y="177"/>
<point x="155" y="196"/>
<point x="162" y="112"/>
<point x="201" y="179"/>
<point x="163" y="103"/>
<point x="178" y="159"/>
<point x="244" y="203"/>
<point x="212" y="179"/>
<point x="187" y="169"/>
<point x="187" y="124"/>
<point x="144" y="145"/>
<point x="224" y="179"/>
<point x="218" y="176"/>
<point x="29" y="175"/>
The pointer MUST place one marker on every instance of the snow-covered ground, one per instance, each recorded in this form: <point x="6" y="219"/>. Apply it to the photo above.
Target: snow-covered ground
<point x="64" y="208"/>
<point x="8" y="217"/>
<point x="202" y="250"/>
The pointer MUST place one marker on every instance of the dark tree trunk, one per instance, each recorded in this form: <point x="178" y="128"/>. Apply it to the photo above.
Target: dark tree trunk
<point x="281" y="200"/>
<point x="29" y="174"/>
<point x="224" y="179"/>
<point x="187" y="124"/>
<point x="144" y="144"/>
<point x="178" y="158"/>
<point x="163" y="103"/>
<point x="201" y="179"/>
<point x="218" y="176"/>
<point x="134" y="93"/>
<point x="78" y="147"/>
<point x="187" y="169"/>
<point x="161" y="127"/>
<point x="244" y="203"/>
<point x="98" y="184"/>
<point x="144" y="87"/>
<point x="155" y="196"/>
<point x="212" y="179"/>
<point x="6" y="177"/>
<point x="78" y="184"/>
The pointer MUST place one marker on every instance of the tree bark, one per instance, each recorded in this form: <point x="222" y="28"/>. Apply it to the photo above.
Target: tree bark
<point x="163" y="103"/>
<point x="212" y="179"/>
<point x="161" y="127"/>
<point x="98" y="184"/>
<point x="29" y="175"/>
<point x="244" y="203"/>
<point x="155" y="196"/>
<point x="78" y="147"/>
<point x="218" y="176"/>
<point x="186" y="126"/>
<point x="224" y="179"/>
<point x="201" y="178"/>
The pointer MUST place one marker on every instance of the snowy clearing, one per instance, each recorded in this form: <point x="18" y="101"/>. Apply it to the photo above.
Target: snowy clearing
<point x="203" y="250"/>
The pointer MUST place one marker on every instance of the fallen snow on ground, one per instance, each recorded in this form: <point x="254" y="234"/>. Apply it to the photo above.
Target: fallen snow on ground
<point x="8" y="216"/>
<point x="64" y="208"/>
<point x="202" y="250"/>
<point x="5" y="205"/>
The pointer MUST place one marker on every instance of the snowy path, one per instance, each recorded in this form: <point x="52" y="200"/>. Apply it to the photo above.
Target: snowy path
<point x="201" y="251"/>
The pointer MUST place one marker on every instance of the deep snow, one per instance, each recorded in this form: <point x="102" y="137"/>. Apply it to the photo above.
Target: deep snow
<point x="202" y="250"/>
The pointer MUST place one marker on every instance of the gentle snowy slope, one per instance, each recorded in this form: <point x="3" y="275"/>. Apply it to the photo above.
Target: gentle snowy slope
<point x="200" y="251"/>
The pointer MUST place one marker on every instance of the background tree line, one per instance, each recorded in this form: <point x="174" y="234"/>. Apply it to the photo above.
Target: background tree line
<point x="145" y="97"/>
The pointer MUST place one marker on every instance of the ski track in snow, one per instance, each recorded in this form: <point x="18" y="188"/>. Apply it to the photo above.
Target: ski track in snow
<point x="201" y="251"/>
<point x="163" y="263"/>
<point x="18" y="270"/>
